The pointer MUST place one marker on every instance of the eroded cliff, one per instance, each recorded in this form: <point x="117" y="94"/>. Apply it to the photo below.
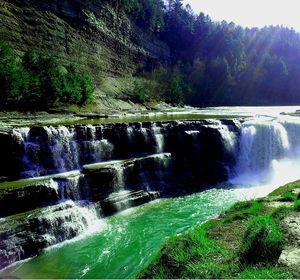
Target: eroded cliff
<point x="101" y="40"/>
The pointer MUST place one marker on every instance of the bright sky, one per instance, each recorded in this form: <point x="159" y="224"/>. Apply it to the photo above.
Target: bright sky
<point x="251" y="12"/>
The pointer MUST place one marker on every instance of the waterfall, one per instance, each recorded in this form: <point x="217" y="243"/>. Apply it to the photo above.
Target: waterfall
<point x="120" y="178"/>
<point x="130" y="133"/>
<point x="73" y="187"/>
<point x="59" y="149"/>
<point x="30" y="159"/>
<point x="120" y="196"/>
<point x="229" y="137"/>
<point x="268" y="151"/>
<point x="64" y="148"/>
<point x="120" y="200"/>
<point x="159" y="138"/>
<point x="69" y="219"/>
<point x="95" y="149"/>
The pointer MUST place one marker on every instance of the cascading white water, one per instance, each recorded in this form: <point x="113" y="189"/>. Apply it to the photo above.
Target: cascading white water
<point x="69" y="219"/>
<point x="61" y="151"/>
<point x="69" y="188"/>
<point x="120" y="199"/>
<point x="269" y="152"/>
<point x="119" y="196"/>
<point x="64" y="148"/>
<point x="130" y="133"/>
<point x="120" y="179"/>
<point x="31" y="166"/>
<point x="145" y="134"/>
<point x="97" y="149"/>
<point x="229" y="138"/>
<point x="159" y="138"/>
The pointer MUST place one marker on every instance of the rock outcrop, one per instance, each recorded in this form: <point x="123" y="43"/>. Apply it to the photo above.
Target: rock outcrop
<point x="105" y="43"/>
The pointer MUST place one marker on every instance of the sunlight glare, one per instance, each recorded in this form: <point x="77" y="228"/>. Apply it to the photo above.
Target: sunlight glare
<point x="255" y="13"/>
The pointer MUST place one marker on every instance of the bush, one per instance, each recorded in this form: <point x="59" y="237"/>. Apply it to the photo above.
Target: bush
<point x="37" y="82"/>
<point x="262" y="241"/>
<point x="10" y="76"/>
<point x="139" y="92"/>
<point x="287" y="197"/>
<point x="297" y="205"/>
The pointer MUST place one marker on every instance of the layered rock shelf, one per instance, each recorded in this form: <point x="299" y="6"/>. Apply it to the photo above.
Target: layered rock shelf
<point x="59" y="181"/>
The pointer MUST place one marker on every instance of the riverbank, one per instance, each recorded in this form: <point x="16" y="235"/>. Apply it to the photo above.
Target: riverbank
<point x="254" y="239"/>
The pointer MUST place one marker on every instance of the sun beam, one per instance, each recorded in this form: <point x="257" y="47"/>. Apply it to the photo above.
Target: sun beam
<point x="254" y="13"/>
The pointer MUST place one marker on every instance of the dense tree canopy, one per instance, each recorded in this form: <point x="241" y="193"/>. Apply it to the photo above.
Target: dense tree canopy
<point x="222" y="63"/>
<point x="212" y="63"/>
<point x="37" y="82"/>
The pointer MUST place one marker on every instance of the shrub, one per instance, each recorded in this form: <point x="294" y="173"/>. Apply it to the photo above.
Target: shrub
<point x="297" y="205"/>
<point x="139" y="92"/>
<point x="288" y="197"/>
<point x="281" y="212"/>
<point x="262" y="241"/>
<point x="10" y="76"/>
<point x="38" y="82"/>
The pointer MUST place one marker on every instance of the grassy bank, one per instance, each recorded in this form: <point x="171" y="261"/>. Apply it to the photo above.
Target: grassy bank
<point x="247" y="241"/>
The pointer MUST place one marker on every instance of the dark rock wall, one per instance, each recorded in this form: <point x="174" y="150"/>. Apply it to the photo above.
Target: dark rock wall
<point x="199" y="149"/>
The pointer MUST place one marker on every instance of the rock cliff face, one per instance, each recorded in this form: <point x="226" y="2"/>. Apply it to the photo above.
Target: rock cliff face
<point x="101" y="41"/>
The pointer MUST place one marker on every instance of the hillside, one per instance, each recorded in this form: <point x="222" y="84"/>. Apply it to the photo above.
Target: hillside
<point x="151" y="51"/>
<point x="95" y="36"/>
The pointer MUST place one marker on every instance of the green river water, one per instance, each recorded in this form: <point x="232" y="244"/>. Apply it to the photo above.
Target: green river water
<point x="129" y="240"/>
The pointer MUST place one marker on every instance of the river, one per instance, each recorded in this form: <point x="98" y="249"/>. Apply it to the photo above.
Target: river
<point x="126" y="242"/>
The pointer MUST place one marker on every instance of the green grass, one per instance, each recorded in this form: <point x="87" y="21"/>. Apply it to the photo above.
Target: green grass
<point x="244" y="243"/>
<point x="191" y="255"/>
<point x="279" y="213"/>
<point x="242" y="210"/>
<point x="284" y="189"/>
<point x="287" y="197"/>
<point x="269" y="272"/>
<point x="262" y="242"/>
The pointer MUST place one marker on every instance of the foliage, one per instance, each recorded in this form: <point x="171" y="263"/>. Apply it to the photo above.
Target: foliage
<point x="242" y="210"/>
<point x="139" y="92"/>
<point x="297" y="205"/>
<point x="240" y="249"/>
<point x="269" y="272"/>
<point x="284" y="189"/>
<point x="39" y="82"/>
<point x="191" y="255"/>
<point x="222" y="63"/>
<point x="288" y="196"/>
<point x="10" y="74"/>
<point x="262" y="241"/>
<point x="148" y="14"/>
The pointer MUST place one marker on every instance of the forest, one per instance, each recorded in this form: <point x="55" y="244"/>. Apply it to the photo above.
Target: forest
<point x="219" y="63"/>
<point x="211" y="64"/>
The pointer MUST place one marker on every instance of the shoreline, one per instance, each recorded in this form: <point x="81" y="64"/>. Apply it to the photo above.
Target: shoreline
<point x="240" y="243"/>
